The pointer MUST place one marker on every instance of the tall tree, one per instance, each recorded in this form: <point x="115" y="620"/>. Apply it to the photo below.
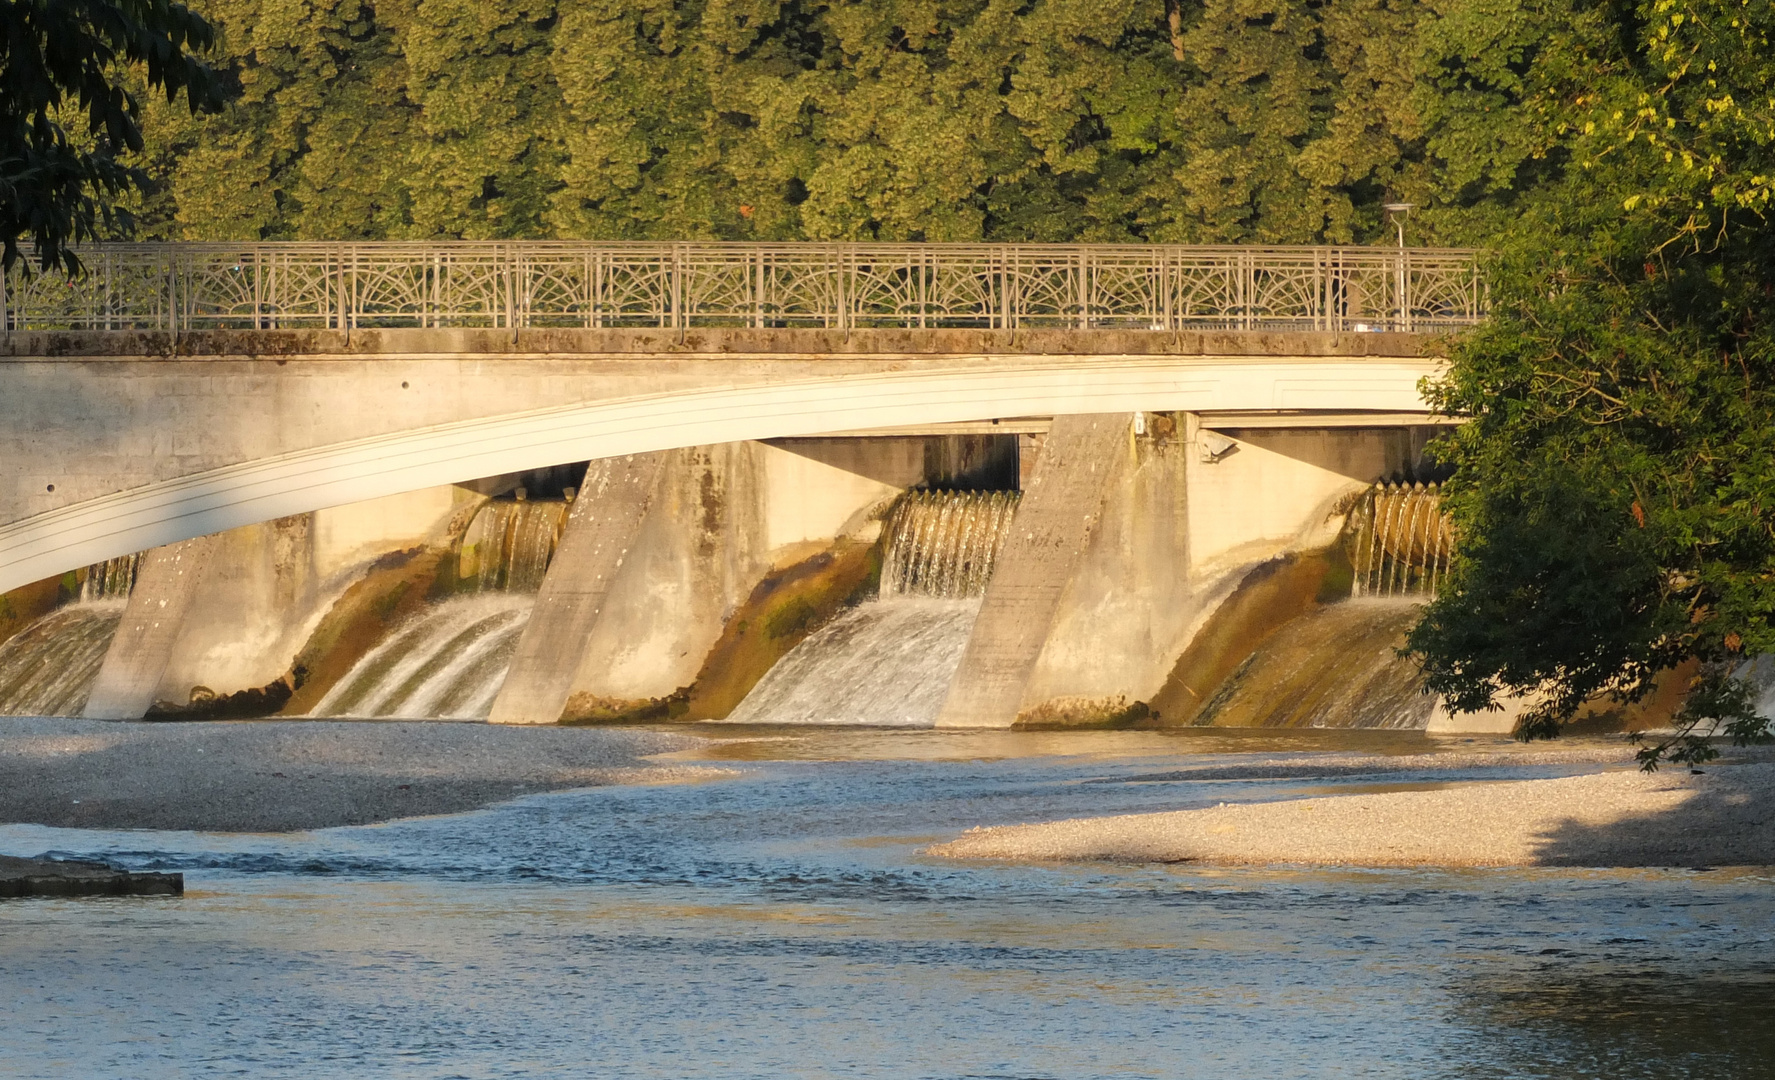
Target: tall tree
<point x="1615" y="490"/>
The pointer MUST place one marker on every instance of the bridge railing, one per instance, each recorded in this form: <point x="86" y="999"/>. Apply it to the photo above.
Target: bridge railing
<point x="676" y="286"/>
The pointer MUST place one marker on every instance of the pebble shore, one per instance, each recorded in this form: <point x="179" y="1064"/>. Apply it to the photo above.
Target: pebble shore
<point x="279" y="776"/>
<point x="1719" y="816"/>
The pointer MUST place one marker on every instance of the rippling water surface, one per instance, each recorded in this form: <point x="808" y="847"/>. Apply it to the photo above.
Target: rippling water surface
<point x="782" y="923"/>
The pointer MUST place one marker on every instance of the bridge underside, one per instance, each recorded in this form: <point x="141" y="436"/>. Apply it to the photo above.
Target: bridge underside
<point x="116" y="442"/>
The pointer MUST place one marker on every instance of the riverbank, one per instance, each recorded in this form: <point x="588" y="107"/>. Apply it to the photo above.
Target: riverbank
<point x="1715" y="817"/>
<point x="279" y="776"/>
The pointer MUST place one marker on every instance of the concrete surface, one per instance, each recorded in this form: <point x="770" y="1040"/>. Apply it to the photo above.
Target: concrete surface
<point x="1081" y="459"/>
<point x="137" y="660"/>
<point x="601" y="532"/>
<point x="113" y="442"/>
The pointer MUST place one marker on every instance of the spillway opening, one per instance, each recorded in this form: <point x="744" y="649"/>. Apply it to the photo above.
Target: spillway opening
<point x="889" y="661"/>
<point x="448" y="660"/>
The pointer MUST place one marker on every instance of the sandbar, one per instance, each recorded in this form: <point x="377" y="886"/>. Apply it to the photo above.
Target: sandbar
<point x="280" y="776"/>
<point x="1719" y="816"/>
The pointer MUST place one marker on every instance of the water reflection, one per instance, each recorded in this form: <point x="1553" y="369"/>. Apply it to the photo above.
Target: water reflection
<point x="784" y="924"/>
<point x="1564" y="1020"/>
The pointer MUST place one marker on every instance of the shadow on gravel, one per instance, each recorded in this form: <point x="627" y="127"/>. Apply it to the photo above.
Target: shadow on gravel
<point x="1724" y="822"/>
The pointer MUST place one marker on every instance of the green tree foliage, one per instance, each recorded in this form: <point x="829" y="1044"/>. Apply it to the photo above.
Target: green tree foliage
<point x="1195" y="121"/>
<point x="62" y="57"/>
<point x="1615" y="492"/>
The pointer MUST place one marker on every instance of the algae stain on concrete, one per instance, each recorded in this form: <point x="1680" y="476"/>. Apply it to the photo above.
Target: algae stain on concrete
<point x="396" y="588"/>
<point x="1272" y="594"/>
<point x="783" y="609"/>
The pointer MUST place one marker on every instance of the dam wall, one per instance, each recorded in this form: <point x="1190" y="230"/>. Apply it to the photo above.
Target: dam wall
<point x="1133" y="531"/>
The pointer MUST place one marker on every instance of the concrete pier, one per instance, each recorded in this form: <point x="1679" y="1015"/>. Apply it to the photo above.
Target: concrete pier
<point x="139" y="653"/>
<point x="1061" y="508"/>
<point x="601" y="530"/>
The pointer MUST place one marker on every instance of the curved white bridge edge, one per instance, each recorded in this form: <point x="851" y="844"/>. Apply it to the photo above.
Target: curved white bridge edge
<point x="166" y="512"/>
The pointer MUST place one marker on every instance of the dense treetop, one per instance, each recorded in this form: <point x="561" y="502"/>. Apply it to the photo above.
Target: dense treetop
<point x="1278" y="121"/>
<point x="68" y="120"/>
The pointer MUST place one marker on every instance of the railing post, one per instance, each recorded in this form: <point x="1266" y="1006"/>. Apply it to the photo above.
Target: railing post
<point x="1168" y="274"/>
<point x="677" y="298"/>
<point x="508" y="259"/>
<point x="1402" y="288"/>
<point x="1084" y="289"/>
<point x="1247" y="288"/>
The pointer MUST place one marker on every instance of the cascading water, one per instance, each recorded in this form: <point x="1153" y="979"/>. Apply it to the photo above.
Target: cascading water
<point x="448" y="662"/>
<point x="1403" y="541"/>
<point x="889" y="662"/>
<point x="508" y="545"/>
<point x="945" y="543"/>
<point x="48" y="668"/>
<point x="111" y="579"/>
<point x="445" y="664"/>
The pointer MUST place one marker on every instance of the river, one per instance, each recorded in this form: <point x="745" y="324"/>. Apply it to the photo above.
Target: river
<point x="780" y="922"/>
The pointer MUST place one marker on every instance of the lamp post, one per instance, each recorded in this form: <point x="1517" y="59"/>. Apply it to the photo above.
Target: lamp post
<point x="1398" y="212"/>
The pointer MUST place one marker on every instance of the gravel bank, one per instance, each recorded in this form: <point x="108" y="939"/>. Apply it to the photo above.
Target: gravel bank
<point x="276" y="776"/>
<point x="1720" y="817"/>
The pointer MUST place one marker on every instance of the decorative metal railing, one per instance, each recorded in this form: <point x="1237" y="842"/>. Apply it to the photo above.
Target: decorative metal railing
<point x="681" y="285"/>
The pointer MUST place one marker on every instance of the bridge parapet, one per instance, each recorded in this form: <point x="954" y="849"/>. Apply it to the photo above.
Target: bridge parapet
<point x="680" y="286"/>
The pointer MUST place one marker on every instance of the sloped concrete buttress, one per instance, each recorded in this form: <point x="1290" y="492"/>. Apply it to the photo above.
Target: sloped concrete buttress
<point x="137" y="659"/>
<point x="1061" y="508"/>
<point x="601" y="530"/>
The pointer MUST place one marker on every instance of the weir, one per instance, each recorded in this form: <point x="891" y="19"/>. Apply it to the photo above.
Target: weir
<point x="450" y="660"/>
<point x="889" y="661"/>
<point x="1171" y="417"/>
<point x="723" y="582"/>
<point x="1402" y="540"/>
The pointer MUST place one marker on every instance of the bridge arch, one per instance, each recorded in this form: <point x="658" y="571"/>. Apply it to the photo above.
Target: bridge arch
<point x="211" y="500"/>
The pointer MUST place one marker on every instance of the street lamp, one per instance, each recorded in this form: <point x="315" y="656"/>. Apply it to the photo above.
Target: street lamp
<point x="1397" y="212"/>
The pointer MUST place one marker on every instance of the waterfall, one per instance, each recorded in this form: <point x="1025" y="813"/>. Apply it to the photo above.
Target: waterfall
<point x="111" y="579"/>
<point x="508" y="545"/>
<point x="885" y="663"/>
<point x="888" y="662"/>
<point x="48" y="668"/>
<point x="448" y="661"/>
<point x="1402" y="541"/>
<point x="944" y="543"/>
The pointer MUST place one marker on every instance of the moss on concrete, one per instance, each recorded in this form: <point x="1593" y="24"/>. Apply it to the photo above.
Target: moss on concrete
<point x="593" y="709"/>
<point x="1073" y="713"/>
<point x="1271" y="596"/>
<point x="784" y="608"/>
<point x="395" y="589"/>
<point x="25" y="605"/>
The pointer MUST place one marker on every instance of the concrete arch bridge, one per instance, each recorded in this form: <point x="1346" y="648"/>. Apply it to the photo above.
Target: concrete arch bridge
<point x="177" y="391"/>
